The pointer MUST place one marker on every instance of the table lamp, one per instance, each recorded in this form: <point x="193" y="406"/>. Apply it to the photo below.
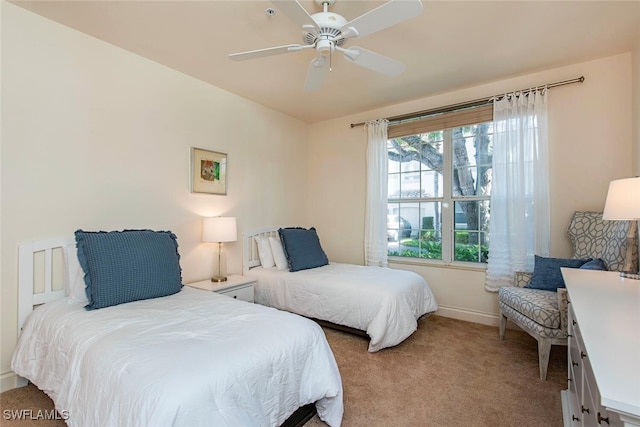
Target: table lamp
<point x="219" y="230"/>
<point x="623" y="204"/>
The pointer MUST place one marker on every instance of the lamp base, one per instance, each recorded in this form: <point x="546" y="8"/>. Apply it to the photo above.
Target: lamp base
<point x="219" y="279"/>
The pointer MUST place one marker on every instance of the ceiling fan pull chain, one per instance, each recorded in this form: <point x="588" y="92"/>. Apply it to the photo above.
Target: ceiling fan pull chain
<point x="330" y="57"/>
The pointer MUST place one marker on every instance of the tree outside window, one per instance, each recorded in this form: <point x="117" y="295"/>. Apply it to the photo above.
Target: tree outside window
<point x="439" y="188"/>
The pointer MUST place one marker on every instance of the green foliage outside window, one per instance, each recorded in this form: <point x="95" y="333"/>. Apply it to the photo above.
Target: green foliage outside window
<point x="433" y="250"/>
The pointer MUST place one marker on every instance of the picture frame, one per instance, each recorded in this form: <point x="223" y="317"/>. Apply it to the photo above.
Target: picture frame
<point x="208" y="171"/>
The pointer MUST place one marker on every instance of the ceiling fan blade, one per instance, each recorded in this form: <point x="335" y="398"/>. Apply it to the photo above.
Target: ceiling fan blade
<point x="294" y="10"/>
<point x="315" y="76"/>
<point x="252" y="54"/>
<point x="374" y="61"/>
<point x="384" y="16"/>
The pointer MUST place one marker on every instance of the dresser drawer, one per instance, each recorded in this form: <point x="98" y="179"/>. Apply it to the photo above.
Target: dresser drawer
<point x="575" y="392"/>
<point x="589" y="408"/>
<point x="237" y="287"/>
<point x="244" y="293"/>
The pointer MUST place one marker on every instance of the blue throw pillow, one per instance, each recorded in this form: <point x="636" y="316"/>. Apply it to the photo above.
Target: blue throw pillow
<point x="302" y="248"/>
<point x="546" y="272"/>
<point x="594" y="264"/>
<point x="130" y="265"/>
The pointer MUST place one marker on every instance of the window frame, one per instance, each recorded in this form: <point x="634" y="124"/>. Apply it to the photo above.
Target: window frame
<point x="478" y="116"/>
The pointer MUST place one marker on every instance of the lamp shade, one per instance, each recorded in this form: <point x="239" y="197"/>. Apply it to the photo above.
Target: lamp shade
<point x="623" y="200"/>
<point x="219" y="229"/>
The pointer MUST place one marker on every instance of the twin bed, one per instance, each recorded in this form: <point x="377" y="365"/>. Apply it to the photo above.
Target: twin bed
<point x="158" y="353"/>
<point x="381" y="303"/>
<point x="191" y="358"/>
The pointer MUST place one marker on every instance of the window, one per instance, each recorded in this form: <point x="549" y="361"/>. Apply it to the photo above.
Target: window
<point x="439" y="188"/>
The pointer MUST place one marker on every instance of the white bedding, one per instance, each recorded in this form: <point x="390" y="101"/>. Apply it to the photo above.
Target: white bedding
<point x="189" y="359"/>
<point x="385" y="303"/>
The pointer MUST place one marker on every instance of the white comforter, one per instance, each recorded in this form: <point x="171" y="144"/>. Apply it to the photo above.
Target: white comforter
<point x="385" y="303"/>
<point x="191" y="359"/>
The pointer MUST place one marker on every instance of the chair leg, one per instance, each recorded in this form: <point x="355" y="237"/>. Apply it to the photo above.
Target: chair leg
<point x="503" y="325"/>
<point x="544" y="349"/>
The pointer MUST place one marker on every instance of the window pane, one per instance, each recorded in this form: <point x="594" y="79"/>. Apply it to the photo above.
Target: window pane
<point x="430" y="236"/>
<point x="410" y="166"/>
<point x="415" y="230"/>
<point x="432" y="152"/>
<point x="431" y="184"/>
<point x="393" y="156"/>
<point x="472" y="215"/>
<point x="393" y="186"/>
<point x="410" y="185"/>
<point x="469" y="247"/>
<point x="471" y="160"/>
<point x="470" y="242"/>
<point x="395" y="227"/>
<point x="484" y="208"/>
<point x="415" y="166"/>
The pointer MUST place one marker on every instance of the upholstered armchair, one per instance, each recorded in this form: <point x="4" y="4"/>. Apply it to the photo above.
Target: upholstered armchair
<point x="537" y="302"/>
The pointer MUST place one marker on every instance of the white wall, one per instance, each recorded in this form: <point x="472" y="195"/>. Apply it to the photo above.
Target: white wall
<point x="636" y="105"/>
<point x="590" y="127"/>
<point x="97" y="138"/>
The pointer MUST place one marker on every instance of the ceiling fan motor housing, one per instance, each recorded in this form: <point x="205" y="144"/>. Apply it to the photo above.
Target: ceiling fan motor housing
<point x="330" y="24"/>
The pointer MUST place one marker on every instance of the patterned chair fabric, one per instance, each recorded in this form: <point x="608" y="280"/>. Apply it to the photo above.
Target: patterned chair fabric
<point x="540" y="309"/>
<point x="522" y="278"/>
<point x="544" y="314"/>
<point x="613" y="241"/>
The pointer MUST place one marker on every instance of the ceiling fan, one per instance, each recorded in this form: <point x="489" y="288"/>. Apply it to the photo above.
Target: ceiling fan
<point x="327" y="32"/>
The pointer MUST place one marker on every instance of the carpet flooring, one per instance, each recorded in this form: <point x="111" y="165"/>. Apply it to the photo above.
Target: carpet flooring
<point x="448" y="373"/>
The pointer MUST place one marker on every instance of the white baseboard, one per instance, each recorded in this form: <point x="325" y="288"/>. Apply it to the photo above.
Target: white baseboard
<point x="9" y="380"/>
<point x="467" y="315"/>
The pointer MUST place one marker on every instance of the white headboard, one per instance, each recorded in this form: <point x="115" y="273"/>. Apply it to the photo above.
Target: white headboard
<point x="250" y="258"/>
<point x="39" y="260"/>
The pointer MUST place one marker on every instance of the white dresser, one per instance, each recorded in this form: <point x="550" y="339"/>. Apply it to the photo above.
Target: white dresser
<point x="604" y="350"/>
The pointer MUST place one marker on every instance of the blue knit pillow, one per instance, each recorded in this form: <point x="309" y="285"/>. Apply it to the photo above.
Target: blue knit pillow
<point x="594" y="264"/>
<point x="302" y="248"/>
<point x="547" y="275"/>
<point x="130" y="265"/>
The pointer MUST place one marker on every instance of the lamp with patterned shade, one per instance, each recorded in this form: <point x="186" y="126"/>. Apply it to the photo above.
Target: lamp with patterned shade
<point x="623" y="204"/>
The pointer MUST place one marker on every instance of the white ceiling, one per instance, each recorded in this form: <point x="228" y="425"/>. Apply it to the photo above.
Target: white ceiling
<point x="452" y="44"/>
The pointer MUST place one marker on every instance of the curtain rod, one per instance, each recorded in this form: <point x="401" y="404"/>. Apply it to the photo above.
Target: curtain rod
<point x="468" y="104"/>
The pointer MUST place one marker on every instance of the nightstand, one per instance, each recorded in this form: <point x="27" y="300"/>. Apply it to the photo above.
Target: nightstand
<point x="238" y="287"/>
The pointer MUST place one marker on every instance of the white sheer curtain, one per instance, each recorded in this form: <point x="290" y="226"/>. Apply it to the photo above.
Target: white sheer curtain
<point x="519" y="222"/>
<point x="375" y="234"/>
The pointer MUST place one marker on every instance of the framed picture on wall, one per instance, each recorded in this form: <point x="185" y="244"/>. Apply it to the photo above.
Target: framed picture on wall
<point x="208" y="171"/>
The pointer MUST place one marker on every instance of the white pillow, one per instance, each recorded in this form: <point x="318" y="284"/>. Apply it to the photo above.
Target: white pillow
<point x="264" y="251"/>
<point x="74" y="284"/>
<point x="278" y="253"/>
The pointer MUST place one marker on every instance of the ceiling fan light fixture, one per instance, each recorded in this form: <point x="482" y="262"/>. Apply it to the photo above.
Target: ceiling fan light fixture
<point x="324" y="47"/>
